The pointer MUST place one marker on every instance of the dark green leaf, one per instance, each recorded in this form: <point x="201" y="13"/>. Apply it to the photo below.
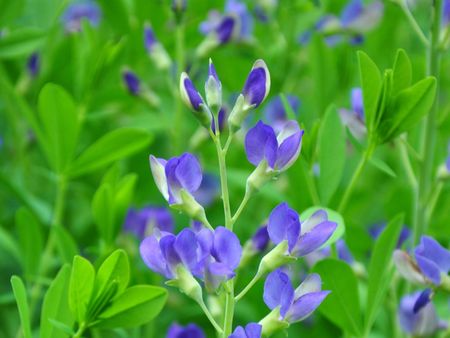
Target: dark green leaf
<point x="380" y="269"/>
<point x="60" y="125"/>
<point x="331" y="154"/>
<point x="22" y="304"/>
<point x="56" y="305"/>
<point x="111" y="147"/>
<point x="81" y="287"/>
<point x="342" y="304"/>
<point x="136" y="306"/>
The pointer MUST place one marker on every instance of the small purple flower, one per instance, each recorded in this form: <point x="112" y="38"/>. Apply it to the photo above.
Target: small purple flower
<point x="176" y="174"/>
<point x="257" y="85"/>
<point x="279" y="151"/>
<point x="189" y="93"/>
<point x="354" y="118"/>
<point x="132" y="82"/>
<point x="276" y="115"/>
<point x="260" y="240"/>
<point x="76" y="12"/>
<point x="150" y="40"/>
<point x="208" y="191"/>
<point x="188" y="331"/>
<point x="431" y="265"/>
<point x="239" y="9"/>
<point x="418" y="316"/>
<point x="302" y="239"/>
<point x="251" y="330"/>
<point x="294" y="305"/>
<point x="143" y="222"/>
<point x="359" y="18"/>
<point x="222" y="116"/>
<point x="179" y="6"/>
<point x="446" y="13"/>
<point x="33" y="64"/>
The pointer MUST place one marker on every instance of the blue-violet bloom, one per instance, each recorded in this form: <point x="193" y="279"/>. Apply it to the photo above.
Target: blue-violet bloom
<point x="132" y="82"/>
<point x="33" y="64"/>
<point x="188" y="331"/>
<point x="354" y="118"/>
<point x="251" y="330"/>
<point x="276" y="115"/>
<point x="145" y="221"/>
<point x="76" y="12"/>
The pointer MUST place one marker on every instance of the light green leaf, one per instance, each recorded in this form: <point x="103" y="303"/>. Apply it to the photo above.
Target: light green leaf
<point x="60" y="125"/>
<point x="56" y="305"/>
<point x="103" y="211"/>
<point x="381" y="165"/>
<point x="30" y="240"/>
<point x="20" y="293"/>
<point x="115" y="268"/>
<point x="81" y="287"/>
<point x="21" y="42"/>
<point x="371" y="84"/>
<point x="66" y="245"/>
<point x="124" y="192"/>
<point x="331" y="154"/>
<point x="380" y="269"/>
<point x="109" y="148"/>
<point x="333" y="216"/>
<point x="402" y="75"/>
<point x="136" y="306"/>
<point x="342" y="305"/>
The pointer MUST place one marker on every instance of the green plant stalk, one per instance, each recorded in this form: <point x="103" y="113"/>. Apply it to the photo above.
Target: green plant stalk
<point x="80" y="331"/>
<point x="412" y="21"/>
<point x="241" y="207"/>
<point x="178" y="129"/>
<point x="420" y="223"/>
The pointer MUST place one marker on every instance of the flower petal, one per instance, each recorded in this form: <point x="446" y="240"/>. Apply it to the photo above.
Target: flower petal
<point x="186" y="247"/>
<point x="318" y="217"/>
<point x="432" y="250"/>
<point x="314" y="239"/>
<point x="253" y="330"/>
<point x="189" y="172"/>
<point x="274" y="285"/>
<point x="283" y="225"/>
<point x="157" y="166"/>
<point x="312" y="283"/>
<point x="189" y="93"/>
<point x="260" y="144"/>
<point x="305" y="306"/>
<point x="227" y="248"/>
<point x="407" y="267"/>
<point x="257" y="86"/>
<point x="289" y="150"/>
<point x="153" y="257"/>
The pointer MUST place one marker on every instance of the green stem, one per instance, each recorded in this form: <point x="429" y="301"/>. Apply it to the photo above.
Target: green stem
<point x="178" y="128"/>
<point x="241" y="206"/>
<point x="433" y="199"/>
<point x="412" y="21"/>
<point x="407" y="164"/>
<point x="210" y="317"/>
<point x="309" y="178"/>
<point x="420" y="223"/>
<point x="223" y="182"/>
<point x="80" y="331"/>
<point x="254" y="280"/>
<point x="356" y="174"/>
<point x="229" y="310"/>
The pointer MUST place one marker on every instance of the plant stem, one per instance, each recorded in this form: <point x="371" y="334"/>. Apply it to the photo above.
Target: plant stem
<point x="80" y="331"/>
<point x="420" y="223"/>
<point x="348" y="192"/>
<point x="407" y="164"/>
<point x="223" y="182"/>
<point x="241" y="206"/>
<point x="210" y="317"/>
<point x="229" y="310"/>
<point x="254" y="280"/>
<point x="412" y="21"/>
<point x="178" y="128"/>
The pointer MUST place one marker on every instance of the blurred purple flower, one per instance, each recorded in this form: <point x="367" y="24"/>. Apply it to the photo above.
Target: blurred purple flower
<point x="354" y="118"/>
<point x="302" y="239"/>
<point x="446" y="13"/>
<point x="208" y="191"/>
<point x="431" y="265"/>
<point x="294" y="305"/>
<point x="418" y="316"/>
<point x="276" y="115"/>
<point x="150" y="40"/>
<point x="376" y="229"/>
<point x="188" y="331"/>
<point x="33" y="64"/>
<point x="173" y="175"/>
<point x="251" y="330"/>
<point x="343" y="253"/>
<point x="179" y="6"/>
<point x="132" y="82"/>
<point x="143" y="222"/>
<point x="260" y="240"/>
<point x="76" y="12"/>
<point x="279" y="151"/>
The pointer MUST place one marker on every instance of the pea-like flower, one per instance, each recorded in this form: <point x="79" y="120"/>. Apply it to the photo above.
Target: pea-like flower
<point x="143" y="222"/>
<point x="279" y="151"/>
<point x="76" y="12"/>
<point x="290" y="305"/>
<point x="189" y="331"/>
<point x="431" y="265"/>
<point x="354" y="118"/>
<point x="208" y="191"/>
<point x="417" y="314"/>
<point x="275" y="114"/>
<point x="131" y="82"/>
<point x="155" y="49"/>
<point x="251" y="330"/>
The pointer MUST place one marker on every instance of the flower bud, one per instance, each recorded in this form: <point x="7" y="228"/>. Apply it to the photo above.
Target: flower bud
<point x="213" y="88"/>
<point x="33" y="64"/>
<point x="192" y="98"/>
<point x="187" y="284"/>
<point x="155" y="49"/>
<point x="260" y="176"/>
<point x="132" y="82"/>
<point x="275" y="258"/>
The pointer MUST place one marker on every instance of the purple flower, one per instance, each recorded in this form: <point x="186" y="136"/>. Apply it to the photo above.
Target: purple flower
<point x="179" y="6"/>
<point x="431" y="265"/>
<point x="33" y="64"/>
<point x="354" y="118"/>
<point x="446" y="13"/>
<point x="359" y="18"/>
<point x="222" y="116"/>
<point x="213" y="88"/>
<point x="188" y="331"/>
<point x="260" y="240"/>
<point x="155" y="49"/>
<point x="276" y="115"/>
<point x="150" y="40"/>
<point x="418" y="316"/>
<point x="343" y="253"/>
<point x="76" y="12"/>
<point x="143" y="222"/>
<point x="302" y="239"/>
<point x="376" y="229"/>
<point x="257" y="85"/>
<point x="208" y="191"/>
<point x="176" y="174"/>
<point x="251" y="330"/>
<point x="239" y="9"/>
<point x="279" y="151"/>
<point x="293" y="305"/>
<point x="132" y="82"/>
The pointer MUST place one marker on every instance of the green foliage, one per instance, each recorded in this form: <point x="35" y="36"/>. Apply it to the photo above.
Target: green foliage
<point x="20" y="293"/>
<point x="81" y="287"/>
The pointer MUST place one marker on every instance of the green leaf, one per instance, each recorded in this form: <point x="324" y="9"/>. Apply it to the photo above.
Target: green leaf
<point x="333" y="216"/>
<point x="383" y="166"/>
<point x="402" y="75"/>
<point x="290" y="113"/>
<point x="81" y="287"/>
<point x="409" y="107"/>
<point x="103" y="212"/>
<point x="10" y="10"/>
<point x="342" y="305"/>
<point x="21" y="42"/>
<point x="56" y="305"/>
<point x="30" y="240"/>
<point x="9" y="245"/>
<point x="20" y="293"/>
<point x="380" y="269"/>
<point x="66" y="245"/>
<point x="115" y="268"/>
<point x="63" y="327"/>
<point x="109" y="148"/>
<point x="60" y="125"/>
<point x="331" y="154"/>
<point x="122" y="198"/>
<point x="136" y="306"/>
<point x="371" y="84"/>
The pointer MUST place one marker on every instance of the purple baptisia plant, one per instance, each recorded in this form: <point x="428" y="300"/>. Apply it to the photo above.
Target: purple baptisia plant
<point x="188" y="331"/>
<point x="251" y="330"/>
